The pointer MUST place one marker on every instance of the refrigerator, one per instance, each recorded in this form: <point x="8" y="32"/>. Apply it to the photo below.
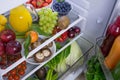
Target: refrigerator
<point x="93" y="18"/>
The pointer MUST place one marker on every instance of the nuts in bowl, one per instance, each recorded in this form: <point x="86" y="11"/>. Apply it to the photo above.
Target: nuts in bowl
<point x="38" y="4"/>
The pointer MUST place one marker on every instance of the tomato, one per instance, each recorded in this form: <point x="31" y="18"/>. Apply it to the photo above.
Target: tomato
<point x="14" y="71"/>
<point x="16" y="77"/>
<point x="10" y="77"/>
<point x="19" y="66"/>
<point x="24" y="67"/>
<point x="24" y="63"/>
<point x="64" y="35"/>
<point x="21" y="72"/>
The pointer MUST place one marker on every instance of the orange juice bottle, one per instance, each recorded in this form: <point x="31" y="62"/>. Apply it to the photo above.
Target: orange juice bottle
<point x="114" y="55"/>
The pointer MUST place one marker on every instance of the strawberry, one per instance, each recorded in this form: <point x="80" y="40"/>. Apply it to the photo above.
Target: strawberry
<point x="40" y="3"/>
<point x="45" y="4"/>
<point x="34" y="3"/>
<point x="48" y="1"/>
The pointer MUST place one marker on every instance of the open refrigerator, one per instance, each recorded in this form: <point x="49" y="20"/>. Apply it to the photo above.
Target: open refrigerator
<point x="92" y="16"/>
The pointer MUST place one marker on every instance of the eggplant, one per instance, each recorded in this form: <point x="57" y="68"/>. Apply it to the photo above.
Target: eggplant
<point x="41" y="73"/>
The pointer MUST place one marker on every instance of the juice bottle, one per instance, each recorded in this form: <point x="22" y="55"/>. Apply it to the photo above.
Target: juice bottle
<point x="112" y="32"/>
<point x="114" y="55"/>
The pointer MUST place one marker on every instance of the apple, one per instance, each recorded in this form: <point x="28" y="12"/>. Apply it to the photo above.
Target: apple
<point x="7" y="35"/>
<point x="13" y="47"/>
<point x="2" y="47"/>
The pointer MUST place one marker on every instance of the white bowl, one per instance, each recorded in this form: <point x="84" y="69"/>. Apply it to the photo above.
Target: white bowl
<point x="31" y="59"/>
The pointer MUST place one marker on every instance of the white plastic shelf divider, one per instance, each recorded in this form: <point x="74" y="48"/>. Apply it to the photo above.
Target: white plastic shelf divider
<point x="6" y="5"/>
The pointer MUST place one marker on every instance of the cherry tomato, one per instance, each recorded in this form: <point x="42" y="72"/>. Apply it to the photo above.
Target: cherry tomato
<point x="16" y="77"/>
<point x="59" y="39"/>
<point x="19" y="66"/>
<point x="13" y="72"/>
<point x="24" y="63"/>
<point x="10" y="77"/>
<point x="64" y="35"/>
<point x="21" y="72"/>
<point x="24" y="67"/>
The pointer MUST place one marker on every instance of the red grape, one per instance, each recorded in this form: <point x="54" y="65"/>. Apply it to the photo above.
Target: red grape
<point x="77" y="30"/>
<point x="71" y="34"/>
<point x="2" y="48"/>
<point x="13" y="47"/>
<point x="7" y="35"/>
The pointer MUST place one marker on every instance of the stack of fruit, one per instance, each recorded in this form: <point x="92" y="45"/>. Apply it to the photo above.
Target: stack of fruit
<point x="17" y="72"/>
<point x="71" y="33"/>
<point x="63" y="8"/>
<point x="48" y="20"/>
<point x="8" y="46"/>
<point x="40" y="3"/>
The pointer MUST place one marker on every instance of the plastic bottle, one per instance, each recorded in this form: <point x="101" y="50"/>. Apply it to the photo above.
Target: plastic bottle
<point x="114" y="55"/>
<point x="112" y="32"/>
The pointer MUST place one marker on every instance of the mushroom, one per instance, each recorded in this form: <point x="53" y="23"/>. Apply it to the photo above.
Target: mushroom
<point x="39" y="57"/>
<point x="48" y="45"/>
<point x="46" y="52"/>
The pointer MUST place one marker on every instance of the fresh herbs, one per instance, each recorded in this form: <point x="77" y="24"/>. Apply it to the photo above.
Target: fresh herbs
<point x="26" y="45"/>
<point x="94" y="70"/>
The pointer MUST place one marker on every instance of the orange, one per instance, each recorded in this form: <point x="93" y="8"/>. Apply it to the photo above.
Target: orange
<point x="33" y="35"/>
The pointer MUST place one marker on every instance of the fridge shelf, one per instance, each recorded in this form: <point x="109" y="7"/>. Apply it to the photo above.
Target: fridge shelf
<point x="106" y="71"/>
<point x="72" y="71"/>
<point x="75" y="20"/>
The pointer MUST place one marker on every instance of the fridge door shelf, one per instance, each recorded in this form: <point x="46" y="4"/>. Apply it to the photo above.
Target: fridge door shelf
<point x="106" y="71"/>
<point x="75" y="19"/>
<point x="73" y="71"/>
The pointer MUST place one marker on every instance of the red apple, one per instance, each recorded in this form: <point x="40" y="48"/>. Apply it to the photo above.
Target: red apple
<point x="13" y="47"/>
<point x="2" y="47"/>
<point x="7" y="35"/>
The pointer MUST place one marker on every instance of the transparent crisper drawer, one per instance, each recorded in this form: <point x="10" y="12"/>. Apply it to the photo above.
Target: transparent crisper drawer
<point x="106" y="71"/>
<point x="74" y="70"/>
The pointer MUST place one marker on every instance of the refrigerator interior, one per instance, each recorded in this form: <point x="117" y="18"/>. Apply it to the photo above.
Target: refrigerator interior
<point x="92" y="16"/>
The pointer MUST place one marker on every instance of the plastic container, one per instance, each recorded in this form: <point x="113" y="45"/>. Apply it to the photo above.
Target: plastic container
<point x="114" y="55"/>
<point x="112" y="32"/>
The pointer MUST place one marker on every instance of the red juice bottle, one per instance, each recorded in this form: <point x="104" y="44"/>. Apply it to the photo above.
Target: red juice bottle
<point x="112" y="32"/>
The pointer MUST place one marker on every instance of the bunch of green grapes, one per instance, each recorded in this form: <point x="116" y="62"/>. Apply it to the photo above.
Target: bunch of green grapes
<point x="47" y="20"/>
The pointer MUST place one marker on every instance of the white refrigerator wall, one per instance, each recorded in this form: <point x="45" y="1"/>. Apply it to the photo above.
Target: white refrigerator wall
<point x="98" y="16"/>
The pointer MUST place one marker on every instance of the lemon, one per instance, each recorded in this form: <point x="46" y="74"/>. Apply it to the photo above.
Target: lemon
<point x="2" y="28"/>
<point x="3" y="20"/>
<point x="20" y="19"/>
